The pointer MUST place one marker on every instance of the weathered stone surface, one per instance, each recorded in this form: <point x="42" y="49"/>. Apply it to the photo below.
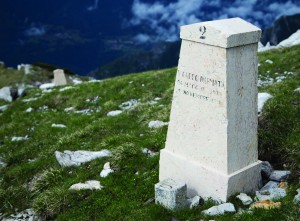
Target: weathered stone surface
<point x="213" y="122"/>
<point x="220" y="209"/>
<point x="266" y="169"/>
<point x="76" y="158"/>
<point x="280" y="175"/>
<point x="88" y="185"/>
<point x="268" y="188"/>
<point x="246" y="200"/>
<point x="265" y="204"/>
<point x="171" y="194"/>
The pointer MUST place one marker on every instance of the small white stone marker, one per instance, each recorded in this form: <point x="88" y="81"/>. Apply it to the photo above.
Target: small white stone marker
<point x="60" y="78"/>
<point x="213" y="122"/>
<point x="171" y="194"/>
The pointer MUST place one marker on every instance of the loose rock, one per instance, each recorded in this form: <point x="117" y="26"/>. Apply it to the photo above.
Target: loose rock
<point x="157" y="124"/>
<point x="59" y="125"/>
<point x="246" y="200"/>
<point x="148" y="152"/>
<point x="220" y="209"/>
<point x="106" y="170"/>
<point x="268" y="188"/>
<point x="129" y="104"/>
<point x="76" y="158"/>
<point x="19" y="138"/>
<point x="88" y="185"/>
<point x="3" y="108"/>
<point x="280" y="175"/>
<point x="114" y="113"/>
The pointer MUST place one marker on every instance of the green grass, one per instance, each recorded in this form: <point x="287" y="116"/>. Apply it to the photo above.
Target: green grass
<point x="43" y="184"/>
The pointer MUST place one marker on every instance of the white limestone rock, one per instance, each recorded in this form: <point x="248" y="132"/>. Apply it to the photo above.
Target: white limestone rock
<point x="28" y="110"/>
<point x="19" y="138"/>
<point x="297" y="89"/>
<point x="65" y="88"/>
<point x="220" y="209"/>
<point x="26" y="215"/>
<point x="68" y="109"/>
<point x="194" y="202"/>
<point x="76" y="158"/>
<point x="246" y="200"/>
<point x="157" y="124"/>
<point x="279" y="175"/>
<point x="5" y="94"/>
<point x="59" y="125"/>
<point x="129" y="104"/>
<point x="88" y="185"/>
<point x="106" y="170"/>
<point x="114" y="113"/>
<point x="269" y="61"/>
<point x="47" y="86"/>
<point x="84" y="111"/>
<point x="297" y="197"/>
<point x="148" y="152"/>
<point x="29" y="99"/>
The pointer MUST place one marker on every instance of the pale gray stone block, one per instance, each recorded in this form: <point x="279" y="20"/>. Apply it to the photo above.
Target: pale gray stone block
<point x="171" y="194"/>
<point x="280" y="175"/>
<point x="268" y="188"/>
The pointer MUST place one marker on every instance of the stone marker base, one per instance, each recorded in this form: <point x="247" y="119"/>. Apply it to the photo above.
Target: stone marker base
<point x="171" y="194"/>
<point x="207" y="182"/>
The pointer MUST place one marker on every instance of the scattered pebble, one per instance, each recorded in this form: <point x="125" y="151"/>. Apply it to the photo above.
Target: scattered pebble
<point x="106" y="170"/>
<point x="220" y="209"/>
<point x="65" y="88"/>
<point x="130" y="82"/>
<point x="30" y="109"/>
<point x="262" y="98"/>
<point x="194" y="202"/>
<point x="43" y="108"/>
<point x="269" y="61"/>
<point x="157" y="98"/>
<point x="88" y="185"/>
<point x="297" y="197"/>
<point x="246" y="200"/>
<point x="94" y="81"/>
<point x="297" y="90"/>
<point x="143" y="85"/>
<point x="84" y="111"/>
<point x="148" y="152"/>
<point x="19" y="138"/>
<point x="30" y="99"/>
<point x="129" y="104"/>
<point x="265" y="204"/>
<point x="59" y="125"/>
<point x="76" y="158"/>
<point x="152" y="102"/>
<point x="157" y="124"/>
<point x="280" y="175"/>
<point x="76" y="80"/>
<point x="47" y="86"/>
<point x="114" y="113"/>
<point x="68" y="109"/>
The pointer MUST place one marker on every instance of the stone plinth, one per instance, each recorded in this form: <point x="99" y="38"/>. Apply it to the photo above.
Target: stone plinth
<point x="212" y="136"/>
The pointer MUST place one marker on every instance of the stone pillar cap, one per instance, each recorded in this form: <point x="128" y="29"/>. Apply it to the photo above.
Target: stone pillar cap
<point x="225" y="33"/>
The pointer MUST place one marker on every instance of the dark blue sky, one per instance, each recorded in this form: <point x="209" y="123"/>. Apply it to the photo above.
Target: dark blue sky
<point x="84" y="35"/>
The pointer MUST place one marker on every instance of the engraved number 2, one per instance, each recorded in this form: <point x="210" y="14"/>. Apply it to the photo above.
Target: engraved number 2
<point x="202" y="30"/>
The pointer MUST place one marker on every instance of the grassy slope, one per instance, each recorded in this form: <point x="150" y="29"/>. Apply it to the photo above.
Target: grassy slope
<point x="125" y="192"/>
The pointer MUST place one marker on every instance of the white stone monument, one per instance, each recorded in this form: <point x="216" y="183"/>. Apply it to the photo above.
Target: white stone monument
<point x="60" y="78"/>
<point x="212" y="136"/>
